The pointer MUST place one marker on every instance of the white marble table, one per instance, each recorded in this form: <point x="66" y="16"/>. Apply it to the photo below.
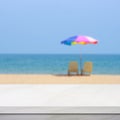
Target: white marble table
<point x="60" y="99"/>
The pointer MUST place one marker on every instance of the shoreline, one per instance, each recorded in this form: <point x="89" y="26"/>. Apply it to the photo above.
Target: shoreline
<point x="58" y="79"/>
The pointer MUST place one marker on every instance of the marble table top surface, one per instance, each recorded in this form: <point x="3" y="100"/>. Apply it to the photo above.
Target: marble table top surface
<point x="57" y="98"/>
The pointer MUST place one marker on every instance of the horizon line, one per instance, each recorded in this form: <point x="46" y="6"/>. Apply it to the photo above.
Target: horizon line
<point x="62" y="53"/>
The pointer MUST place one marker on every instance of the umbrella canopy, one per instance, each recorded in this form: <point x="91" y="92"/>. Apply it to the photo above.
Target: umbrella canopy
<point x="80" y="40"/>
<point x="83" y="40"/>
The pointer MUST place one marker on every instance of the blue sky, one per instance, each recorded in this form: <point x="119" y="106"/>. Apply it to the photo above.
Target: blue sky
<point x="38" y="26"/>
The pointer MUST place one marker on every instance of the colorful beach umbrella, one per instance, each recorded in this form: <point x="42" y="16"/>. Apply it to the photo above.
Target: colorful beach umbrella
<point x="82" y="40"/>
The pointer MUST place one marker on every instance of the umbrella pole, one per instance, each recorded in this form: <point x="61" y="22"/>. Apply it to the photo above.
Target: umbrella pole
<point x="81" y="64"/>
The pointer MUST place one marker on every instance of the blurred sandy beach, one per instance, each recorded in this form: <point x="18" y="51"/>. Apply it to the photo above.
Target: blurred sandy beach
<point x="58" y="79"/>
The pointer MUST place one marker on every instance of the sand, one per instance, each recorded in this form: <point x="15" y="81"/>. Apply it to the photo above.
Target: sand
<point x="58" y="79"/>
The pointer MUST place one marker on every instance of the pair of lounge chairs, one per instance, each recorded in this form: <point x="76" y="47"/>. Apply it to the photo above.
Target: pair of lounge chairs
<point x="73" y="68"/>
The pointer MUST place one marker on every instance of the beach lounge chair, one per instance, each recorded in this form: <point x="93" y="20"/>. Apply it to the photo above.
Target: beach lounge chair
<point x="87" y="69"/>
<point x="73" y="67"/>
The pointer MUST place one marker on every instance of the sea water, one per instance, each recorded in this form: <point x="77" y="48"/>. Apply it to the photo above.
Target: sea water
<point x="56" y="63"/>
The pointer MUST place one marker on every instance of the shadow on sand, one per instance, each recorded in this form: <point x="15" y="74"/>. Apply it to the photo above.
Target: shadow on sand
<point x="71" y="75"/>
